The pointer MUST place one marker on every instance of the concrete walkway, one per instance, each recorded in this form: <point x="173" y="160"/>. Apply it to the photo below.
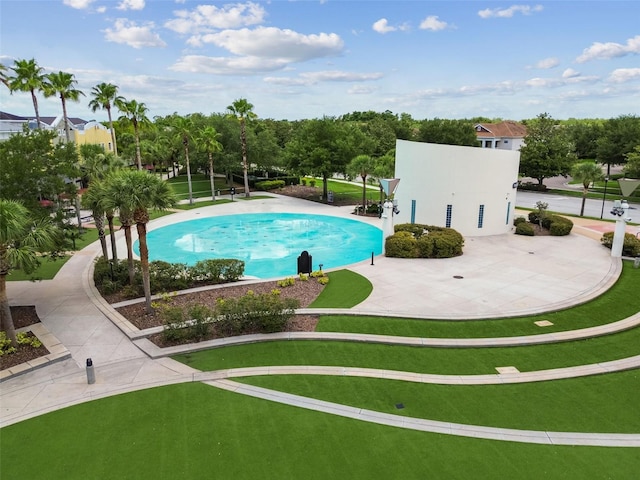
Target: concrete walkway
<point x="503" y="276"/>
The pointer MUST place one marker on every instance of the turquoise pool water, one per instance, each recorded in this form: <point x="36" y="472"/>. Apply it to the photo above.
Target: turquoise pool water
<point x="269" y="243"/>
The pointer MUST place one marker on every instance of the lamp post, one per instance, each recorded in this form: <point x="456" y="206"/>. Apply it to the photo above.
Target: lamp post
<point x="604" y="196"/>
<point x="619" y="210"/>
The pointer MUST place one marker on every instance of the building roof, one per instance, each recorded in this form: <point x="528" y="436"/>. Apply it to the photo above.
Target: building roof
<point x="507" y="129"/>
<point x="48" y="120"/>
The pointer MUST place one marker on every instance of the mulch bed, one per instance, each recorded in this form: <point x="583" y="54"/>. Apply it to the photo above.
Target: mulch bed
<point x="23" y="316"/>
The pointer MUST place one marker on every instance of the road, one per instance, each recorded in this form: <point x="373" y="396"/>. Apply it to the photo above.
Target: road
<point x="571" y="205"/>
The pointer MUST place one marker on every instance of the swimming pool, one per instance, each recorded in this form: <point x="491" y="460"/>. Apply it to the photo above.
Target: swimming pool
<point x="269" y="243"/>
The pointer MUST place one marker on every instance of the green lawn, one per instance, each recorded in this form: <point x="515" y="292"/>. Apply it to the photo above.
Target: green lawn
<point x="445" y="361"/>
<point x="619" y="302"/>
<point x="345" y="289"/>
<point x="200" y="185"/>
<point x="46" y="271"/>
<point x="195" y="431"/>
<point x="600" y="403"/>
<point x="348" y="191"/>
<point x="186" y="206"/>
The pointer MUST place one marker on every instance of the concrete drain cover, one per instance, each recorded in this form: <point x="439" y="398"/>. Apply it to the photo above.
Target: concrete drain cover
<point x="458" y="276"/>
<point x="543" y="323"/>
<point x="399" y="406"/>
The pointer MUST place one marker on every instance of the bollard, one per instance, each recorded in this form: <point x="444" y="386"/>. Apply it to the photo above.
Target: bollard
<point x="371" y="258"/>
<point x="91" y="375"/>
<point x="636" y="263"/>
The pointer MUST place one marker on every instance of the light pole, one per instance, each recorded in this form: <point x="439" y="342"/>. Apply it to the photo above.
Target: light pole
<point x="604" y="196"/>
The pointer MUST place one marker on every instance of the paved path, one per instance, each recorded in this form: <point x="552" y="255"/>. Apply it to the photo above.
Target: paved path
<point x="503" y="275"/>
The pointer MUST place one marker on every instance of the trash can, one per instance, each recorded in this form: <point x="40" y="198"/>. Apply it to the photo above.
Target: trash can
<point x="330" y="196"/>
<point x="305" y="263"/>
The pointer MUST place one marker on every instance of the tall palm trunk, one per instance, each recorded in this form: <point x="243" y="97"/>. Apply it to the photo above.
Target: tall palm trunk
<point x="112" y="235"/>
<point x="245" y="167"/>
<point x="185" y="142"/>
<point x="127" y="220"/>
<point x="35" y="107"/>
<point x="113" y="132"/>
<point x="6" y="321"/>
<point x="99" y="222"/>
<point x="144" y="265"/>
<point x="213" y="186"/>
<point x="67" y="132"/>
<point x="138" y="154"/>
<point x="584" y="199"/>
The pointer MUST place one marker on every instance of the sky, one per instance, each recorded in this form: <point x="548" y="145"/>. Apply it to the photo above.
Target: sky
<point x="307" y="59"/>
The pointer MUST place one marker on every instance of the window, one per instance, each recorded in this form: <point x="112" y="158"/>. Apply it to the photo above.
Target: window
<point x="413" y="211"/>
<point x="110" y="146"/>
<point x="505" y="141"/>
<point x="448" y="222"/>
<point x="508" y="211"/>
<point x="480" y="216"/>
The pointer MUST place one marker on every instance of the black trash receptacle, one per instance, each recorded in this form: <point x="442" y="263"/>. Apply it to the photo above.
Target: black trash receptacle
<point x="305" y="263"/>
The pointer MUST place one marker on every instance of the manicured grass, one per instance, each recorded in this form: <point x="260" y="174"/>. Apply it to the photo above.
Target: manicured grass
<point x="345" y="289"/>
<point x="200" y="185"/>
<point x="186" y="206"/>
<point x="619" y="302"/>
<point x="46" y="271"/>
<point x="600" y="403"/>
<point x="196" y="431"/>
<point x="348" y="191"/>
<point x="449" y="361"/>
<point x="252" y="197"/>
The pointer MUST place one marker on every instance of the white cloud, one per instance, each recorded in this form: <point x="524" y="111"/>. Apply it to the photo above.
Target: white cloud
<point x="312" y="78"/>
<point x="101" y="9"/>
<point x="509" y="12"/>
<point x="548" y="63"/>
<point x="78" y="4"/>
<point x="432" y="23"/>
<point x="570" y="73"/>
<point x="622" y="75"/>
<point x="270" y="42"/>
<point x="129" y="33"/>
<point x="382" y="26"/>
<point x="131" y="5"/>
<point x="605" y="51"/>
<point x="206" y="18"/>
<point x="247" y="65"/>
<point x="361" y="90"/>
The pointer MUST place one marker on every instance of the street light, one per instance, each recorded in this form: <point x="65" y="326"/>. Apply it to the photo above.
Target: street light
<point x="604" y="196"/>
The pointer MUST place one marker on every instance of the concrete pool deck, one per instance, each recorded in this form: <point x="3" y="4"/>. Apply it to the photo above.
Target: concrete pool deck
<point x="503" y="275"/>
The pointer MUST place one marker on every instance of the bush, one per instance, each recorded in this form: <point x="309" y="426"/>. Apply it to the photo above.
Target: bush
<point x="524" y="228"/>
<point x="266" y="313"/>
<point x="270" y="184"/>
<point x="558" y="226"/>
<point x="217" y="270"/>
<point x="534" y="217"/>
<point x="401" y="245"/>
<point x="167" y="276"/>
<point x="424" y="241"/>
<point x="630" y="246"/>
<point x="201" y="317"/>
<point x="518" y="220"/>
<point x="303" y="182"/>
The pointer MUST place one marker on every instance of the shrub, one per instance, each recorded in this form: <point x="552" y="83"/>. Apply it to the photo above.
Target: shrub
<point x="447" y="243"/>
<point x="312" y="182"/>
<point x="286" y="282"/>
<point x="558" y="226"/>
<point x="5" y="344"/>
<point x="173" y="320"/>
<point x="425" y="246"/>
<point x="524" y="228"/>
<point x="534" y="217"/>
<point x="630" y="246"/>
<point x="323" y="280"/>
<point x="265" y="313"/>
<point x="518" y="220"/>
<point x="167" y="276"/>
<point x="269" y="184"/>
<point x="201" y="317"/>
<point x="401" y="245"/>
<point x="217" y="270"/>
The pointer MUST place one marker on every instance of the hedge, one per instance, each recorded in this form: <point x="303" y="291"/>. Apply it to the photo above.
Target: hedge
<point x="524" y="228"/>
<point x="630" y="246"/>
<point x="270" y="184"/>
<point x="412" y="240"/>
<point x="557" y="225"/>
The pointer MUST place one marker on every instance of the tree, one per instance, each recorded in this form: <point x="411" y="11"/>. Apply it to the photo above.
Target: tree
<point x="32" y="168"/>
<point x="4" y="78"/>
<point x="28" y="77"/>
<point x="208" y="142"/>
<point x="93" y="199"/>
<point x="243" y="111"/>
<point x="105" y="95"/>
<point x="632" y="167"/>
<point x="63" y="85"/>
<point x="183" y="129"/>
<point x="21" y="239"/>
<point x="136" y="114"/>
<point x="449" y="132"/>
<point x="362" y="166"/>
<point x="619" y="137"/>
<point x="547" y="152"/>
<point x="587" y="173"/>
<point x="584" y="134"/>
<point x="138" y="192"/>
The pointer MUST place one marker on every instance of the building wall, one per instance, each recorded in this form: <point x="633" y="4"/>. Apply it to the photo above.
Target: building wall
<point x="94" y="133"/>
<point x="437" y="179"/>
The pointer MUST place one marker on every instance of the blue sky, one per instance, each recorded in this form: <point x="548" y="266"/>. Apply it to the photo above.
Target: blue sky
<point x="306" y="59"/>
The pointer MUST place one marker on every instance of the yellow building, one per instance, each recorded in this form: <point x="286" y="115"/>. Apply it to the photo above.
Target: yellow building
<point x="93" y="133"/>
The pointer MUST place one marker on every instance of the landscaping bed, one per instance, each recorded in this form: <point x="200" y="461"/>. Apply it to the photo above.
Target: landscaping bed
<point x="23" y="316"/>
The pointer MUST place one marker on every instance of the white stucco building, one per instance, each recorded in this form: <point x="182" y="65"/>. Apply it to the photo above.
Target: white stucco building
<point x="470" y="189"/>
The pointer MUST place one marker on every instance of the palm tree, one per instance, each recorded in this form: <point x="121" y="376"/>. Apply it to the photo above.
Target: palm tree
<point x="587" y="173"/>
<point x="208" y="141"/>
<point x="104" y="96"/>
<point x="183" y="128"/>
<point x="3" y="75"/>
<point x="93" y="199"/>
<point x="243" y="111"/>
<point x="138" y="192"/>
<point x="362" y="166"/>
<point x="62" y="84"/>
<point x="28" y="77"/>
<point x="20" y="240"/>
<point x="136" y="113"/>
